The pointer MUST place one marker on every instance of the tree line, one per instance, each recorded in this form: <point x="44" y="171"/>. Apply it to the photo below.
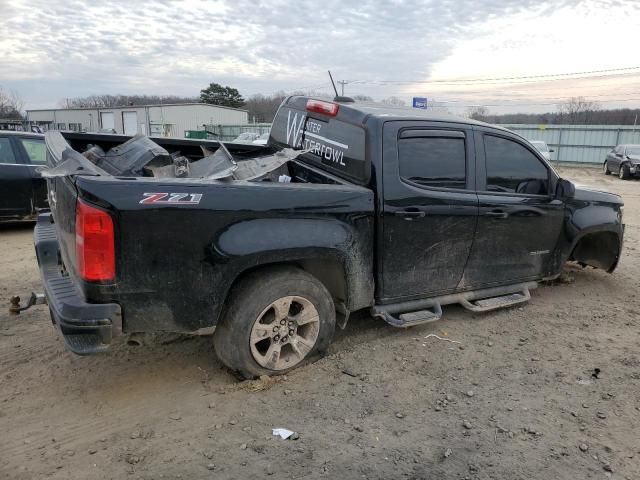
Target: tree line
<point x="575" y="111"/>
<point x="262" y="108"/>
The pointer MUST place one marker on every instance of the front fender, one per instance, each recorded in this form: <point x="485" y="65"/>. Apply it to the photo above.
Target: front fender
<point x="594" y="233"/>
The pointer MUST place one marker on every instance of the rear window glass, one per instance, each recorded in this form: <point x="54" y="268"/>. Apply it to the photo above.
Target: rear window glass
<point x="332" y="144"/>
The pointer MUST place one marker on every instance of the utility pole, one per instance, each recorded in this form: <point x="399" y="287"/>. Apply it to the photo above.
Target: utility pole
<point x="342" y="84"/>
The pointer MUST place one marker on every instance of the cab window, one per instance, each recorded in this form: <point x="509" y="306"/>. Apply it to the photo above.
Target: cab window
<point x="433" y="161"/>
<point x="512" y="168"/>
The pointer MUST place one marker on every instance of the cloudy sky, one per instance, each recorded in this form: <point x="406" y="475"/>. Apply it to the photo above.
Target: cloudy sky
<point x="53" y="49"/>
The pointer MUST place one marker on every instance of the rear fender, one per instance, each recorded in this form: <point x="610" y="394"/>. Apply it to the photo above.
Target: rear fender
<point x="337" y="253"/>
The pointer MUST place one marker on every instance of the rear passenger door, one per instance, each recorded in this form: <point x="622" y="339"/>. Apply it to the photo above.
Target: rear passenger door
<point x="429" y="208"/>
<point x="519" y="219"/>
<point x="15" y="182"/>
<point x="33" y="151"/>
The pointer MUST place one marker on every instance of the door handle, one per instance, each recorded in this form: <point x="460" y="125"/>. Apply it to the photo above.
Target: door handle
<point x="410" y="213"/>
<point x="496" y="214"/>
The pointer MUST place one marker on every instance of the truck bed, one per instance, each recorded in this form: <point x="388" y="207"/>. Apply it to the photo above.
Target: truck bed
<point x="192" y="150"/>
<point x="179" y="241"/>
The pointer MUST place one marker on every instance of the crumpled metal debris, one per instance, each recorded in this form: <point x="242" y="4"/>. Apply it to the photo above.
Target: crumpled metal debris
<point x="268" y="167"/>
<point x="72" y="164"/>
<point x="213" y="167"/>
<point x="131" y="158"/>
<point x="140" y="156"/>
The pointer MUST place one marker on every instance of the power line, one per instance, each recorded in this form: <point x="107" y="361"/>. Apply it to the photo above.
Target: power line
<point x="482" y="104"/>
<point x="550" y="76"/>
<point x="547" y="98"/>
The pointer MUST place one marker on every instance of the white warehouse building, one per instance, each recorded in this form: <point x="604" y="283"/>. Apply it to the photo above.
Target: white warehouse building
<point x="169" y="120"/>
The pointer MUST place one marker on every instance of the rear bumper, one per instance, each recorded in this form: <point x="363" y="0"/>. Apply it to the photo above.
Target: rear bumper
<point x="86" y="328"/>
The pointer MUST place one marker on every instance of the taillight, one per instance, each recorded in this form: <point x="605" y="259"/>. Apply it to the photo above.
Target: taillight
<point x="95" y="250"/>
<point x="319" y="106"/>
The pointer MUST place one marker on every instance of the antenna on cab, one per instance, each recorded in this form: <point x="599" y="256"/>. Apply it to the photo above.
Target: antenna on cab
<point x="333" y="83"/>
<point x="338" y="98"/>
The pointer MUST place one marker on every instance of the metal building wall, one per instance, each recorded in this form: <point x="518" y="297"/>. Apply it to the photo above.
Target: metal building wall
<point x="87" y="117"/>
<point x="163" y="120"/>
<point x="579" y="143"/>
<point x="193" y="117"/>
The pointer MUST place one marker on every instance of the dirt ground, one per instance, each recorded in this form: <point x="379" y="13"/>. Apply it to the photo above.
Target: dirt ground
<point x="515" y="399"/>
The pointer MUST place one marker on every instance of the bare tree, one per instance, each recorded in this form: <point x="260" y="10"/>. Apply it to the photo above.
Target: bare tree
<point x="362" y="98"/>
<point x="577" y="110"/>
<point x="395" y="101"/>
<point x="478" y="112"/>
<point x="262" y="108"/>
<point x="11" y="105"/>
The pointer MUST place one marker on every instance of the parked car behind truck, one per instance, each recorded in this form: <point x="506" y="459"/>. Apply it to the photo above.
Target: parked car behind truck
<point x="22" y="190"/>
<point x="397" y="211"/>
<point x="543" y="148"/>
<point x="624" y="160"/>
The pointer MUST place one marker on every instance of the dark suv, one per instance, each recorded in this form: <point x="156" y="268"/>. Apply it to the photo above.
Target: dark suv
<point x="23" y="192"/>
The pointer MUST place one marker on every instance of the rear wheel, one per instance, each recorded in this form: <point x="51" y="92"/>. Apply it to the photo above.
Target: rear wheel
<point x="605" y="169"/>
<point x="276" y="320"/>
<point x="624" y="172"/>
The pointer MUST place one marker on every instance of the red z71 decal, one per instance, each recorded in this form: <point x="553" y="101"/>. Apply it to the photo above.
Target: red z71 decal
<point x="171" y="198"/>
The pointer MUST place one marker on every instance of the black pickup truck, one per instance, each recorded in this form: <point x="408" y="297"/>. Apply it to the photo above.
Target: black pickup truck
<point x="398" y="211"/>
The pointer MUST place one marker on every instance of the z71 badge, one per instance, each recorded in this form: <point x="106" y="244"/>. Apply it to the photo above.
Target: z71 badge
<point x="171" y="198"/>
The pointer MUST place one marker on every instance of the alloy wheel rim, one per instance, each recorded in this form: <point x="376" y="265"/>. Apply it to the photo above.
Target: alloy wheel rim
<point x="284" y="333"/>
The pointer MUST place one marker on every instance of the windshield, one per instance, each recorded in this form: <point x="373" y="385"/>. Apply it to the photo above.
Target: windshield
<point x="635" y="151"/>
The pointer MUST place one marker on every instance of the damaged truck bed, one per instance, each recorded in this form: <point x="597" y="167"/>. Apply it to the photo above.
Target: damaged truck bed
<point x="140" y="156"/>
<point x="349" y="206"/>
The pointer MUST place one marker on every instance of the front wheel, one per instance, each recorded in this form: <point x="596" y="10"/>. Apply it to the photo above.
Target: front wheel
<point x="275" y="320"/>
<point x="624" y="172"/>
<point x="605" y="168"/>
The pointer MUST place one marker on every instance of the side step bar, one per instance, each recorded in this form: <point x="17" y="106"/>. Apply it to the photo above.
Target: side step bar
<point x="493" y="303"/>
<point x="410" y="319"/>
<point x="417" y="312"/>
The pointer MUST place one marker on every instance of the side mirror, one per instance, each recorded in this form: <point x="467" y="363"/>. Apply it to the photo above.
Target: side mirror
<point x="565" y="188"/>
<point x="619" y="155"/>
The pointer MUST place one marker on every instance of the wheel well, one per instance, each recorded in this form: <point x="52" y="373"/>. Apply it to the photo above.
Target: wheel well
<point x="600" y="250"/>
<point x="330" y="272"/>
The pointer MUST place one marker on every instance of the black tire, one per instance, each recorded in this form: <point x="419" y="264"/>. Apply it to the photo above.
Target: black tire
<point x="606" y="169"/>
<point x="246" y="307"/>
<point x="624" y="172"/>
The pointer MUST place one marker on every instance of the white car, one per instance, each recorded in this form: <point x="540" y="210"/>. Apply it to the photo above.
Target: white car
<point x="262" y="139"/>
<point x="245" y="137"/>
<point x="543" y="148"/>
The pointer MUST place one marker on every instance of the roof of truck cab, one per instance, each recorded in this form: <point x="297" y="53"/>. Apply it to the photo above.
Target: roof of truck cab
<point x="386" y="112"/>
